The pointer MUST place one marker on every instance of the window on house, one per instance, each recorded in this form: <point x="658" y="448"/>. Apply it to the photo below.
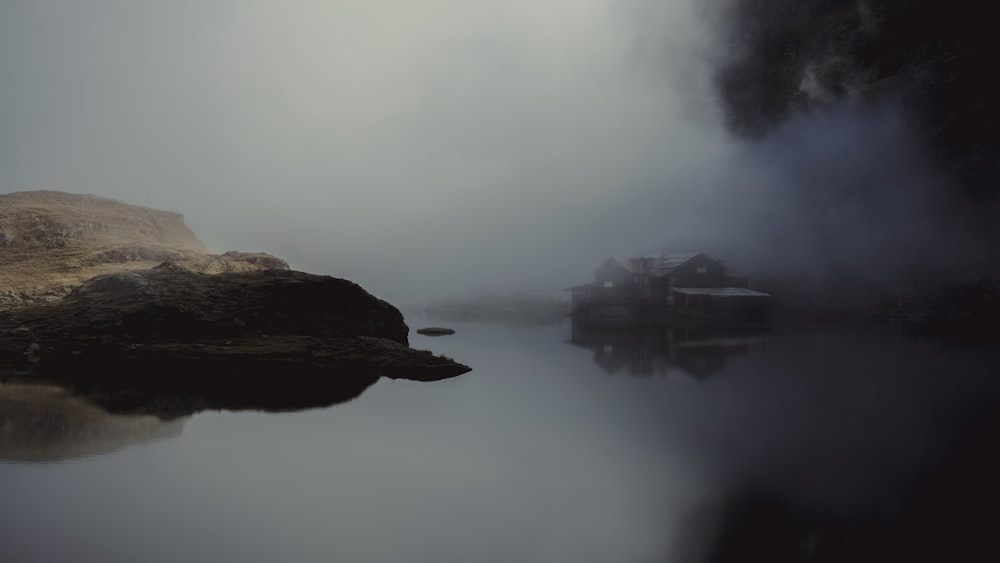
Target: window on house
<point x="609" y="284"/>
<point x="702" y="270"/>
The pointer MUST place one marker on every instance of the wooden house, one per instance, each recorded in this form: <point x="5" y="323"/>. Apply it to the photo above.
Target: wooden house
<point x="688" y="285"/>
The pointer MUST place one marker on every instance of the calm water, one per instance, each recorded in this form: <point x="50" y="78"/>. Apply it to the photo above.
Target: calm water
<point x="561" y="445"/>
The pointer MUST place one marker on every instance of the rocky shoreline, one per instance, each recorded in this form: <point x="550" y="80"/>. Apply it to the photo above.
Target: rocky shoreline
<point x="173" y="339"/>
<point x="170" y="342"/>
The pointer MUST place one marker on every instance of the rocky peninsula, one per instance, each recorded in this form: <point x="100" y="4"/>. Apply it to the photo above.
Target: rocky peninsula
<point x="123" y="306"/>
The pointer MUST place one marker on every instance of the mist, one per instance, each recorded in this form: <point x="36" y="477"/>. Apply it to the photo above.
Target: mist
<point x="446" y="147"/>
<point x="880" y="113"/>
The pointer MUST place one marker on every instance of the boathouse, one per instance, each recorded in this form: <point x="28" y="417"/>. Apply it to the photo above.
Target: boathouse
<point x="682" y="285"/>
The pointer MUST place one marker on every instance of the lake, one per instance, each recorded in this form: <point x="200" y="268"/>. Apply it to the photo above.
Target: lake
<point x="563" y="444"/>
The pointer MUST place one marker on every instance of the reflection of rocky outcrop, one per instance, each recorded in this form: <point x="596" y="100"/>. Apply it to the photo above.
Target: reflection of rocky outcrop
<point x="695" y="350"/>
<point x="40" y="423"/>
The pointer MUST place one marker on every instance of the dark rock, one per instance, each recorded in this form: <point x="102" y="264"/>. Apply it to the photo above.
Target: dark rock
<point x="435" y="331"/>
<point x="170" y="342"/>
<point x="170" y="302"/>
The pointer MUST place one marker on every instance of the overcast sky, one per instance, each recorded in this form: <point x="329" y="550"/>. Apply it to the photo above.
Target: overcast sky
<point x="417" y="147"/>
<point x="433" y="147"/>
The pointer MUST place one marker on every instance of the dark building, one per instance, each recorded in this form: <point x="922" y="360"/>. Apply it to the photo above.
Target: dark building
<point x="688" y="285"/>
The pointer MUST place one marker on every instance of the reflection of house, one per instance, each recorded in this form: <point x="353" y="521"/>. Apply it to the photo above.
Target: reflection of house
<point x="696" y="350"/>
<point x="690" y="285"/>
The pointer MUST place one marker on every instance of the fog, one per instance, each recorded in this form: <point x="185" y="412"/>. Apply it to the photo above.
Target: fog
<point x="446" y="147"/>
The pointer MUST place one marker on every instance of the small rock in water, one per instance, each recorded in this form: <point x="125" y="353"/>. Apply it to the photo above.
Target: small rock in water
<point x="435" y="331"/>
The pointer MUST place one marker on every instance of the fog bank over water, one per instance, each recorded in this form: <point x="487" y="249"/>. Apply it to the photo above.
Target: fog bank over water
<point x="439" y="147"/>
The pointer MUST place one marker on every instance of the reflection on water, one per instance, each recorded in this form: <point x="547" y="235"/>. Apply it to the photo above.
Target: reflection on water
<point x="828" y="444"/>
<point x="697" y="351"/>
<point x="825" y="444"/>
<point x="178" y="386"/>
<point x="44" y="423"/>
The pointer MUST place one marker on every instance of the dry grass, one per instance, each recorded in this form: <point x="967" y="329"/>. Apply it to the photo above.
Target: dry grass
<point x="51" y="242"/>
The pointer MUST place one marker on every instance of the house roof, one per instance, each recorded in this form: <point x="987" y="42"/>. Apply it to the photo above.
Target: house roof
<point x="627" y="263"/>
<point x="658" y="265"/>
<point x="662" y="265"/>
<point x="720" y="291"/>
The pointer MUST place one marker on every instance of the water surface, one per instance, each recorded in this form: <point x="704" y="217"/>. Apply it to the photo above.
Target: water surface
<point x="563" y="444"/>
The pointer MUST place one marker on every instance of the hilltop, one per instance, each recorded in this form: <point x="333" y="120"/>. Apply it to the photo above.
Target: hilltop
<point x="51" y="242"/>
